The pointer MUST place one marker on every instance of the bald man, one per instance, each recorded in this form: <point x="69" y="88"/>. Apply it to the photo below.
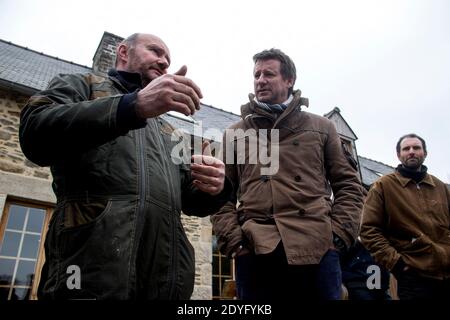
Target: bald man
<point x="116" y="231"/>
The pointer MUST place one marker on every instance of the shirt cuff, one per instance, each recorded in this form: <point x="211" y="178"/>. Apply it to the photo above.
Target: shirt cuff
<point x="127" y="119"/>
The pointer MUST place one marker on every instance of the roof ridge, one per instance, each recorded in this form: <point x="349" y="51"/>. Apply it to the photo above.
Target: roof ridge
<point x="44" y="54"/>
<point x="338" y="111"/>
<point x="384" y="164"/>
<point x="112" y="34"/>
<point x="335" y="109"/>
<point x="234" y="114"/>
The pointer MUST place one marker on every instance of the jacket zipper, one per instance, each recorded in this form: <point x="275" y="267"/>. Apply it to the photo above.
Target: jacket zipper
<point x="142" y="184"/>
<point x="174" y="240"/>
<point x="141" y="181"/>
<point x="142" y="175"/>
<point x="174" y="247"/>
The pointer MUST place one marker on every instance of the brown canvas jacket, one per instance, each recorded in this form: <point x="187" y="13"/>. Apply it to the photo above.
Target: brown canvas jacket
<point x="294" y="204"/>
<point x="409" y="220"/>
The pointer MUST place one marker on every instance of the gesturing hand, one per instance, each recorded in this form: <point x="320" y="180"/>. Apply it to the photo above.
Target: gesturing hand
<point x="208" y="172"/>
<point x="169" y="93"/>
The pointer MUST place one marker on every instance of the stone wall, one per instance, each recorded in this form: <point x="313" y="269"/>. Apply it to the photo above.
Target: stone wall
<point x="199" y="231"/>
<point x="105" y="56"/>
<point x="11" y="156"/>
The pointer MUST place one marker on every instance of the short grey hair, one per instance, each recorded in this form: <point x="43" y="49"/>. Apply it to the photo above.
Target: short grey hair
<point x="129" y="41"/>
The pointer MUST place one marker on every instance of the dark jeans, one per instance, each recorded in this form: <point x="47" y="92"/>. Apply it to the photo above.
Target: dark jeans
<point x="354" y="264"/>
<point x="270" y="277"/>
<point x="411" y="286"/>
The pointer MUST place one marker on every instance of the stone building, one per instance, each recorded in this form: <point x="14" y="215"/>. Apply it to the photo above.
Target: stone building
<point x="26" y="196"/>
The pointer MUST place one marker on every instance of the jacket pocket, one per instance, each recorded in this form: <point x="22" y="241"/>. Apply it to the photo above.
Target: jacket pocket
<point x="80" y="218"/>
<point x="439" y="211"/>
<point x="443" y="247"/>
<point x="419" y="252"/>
<point x="101" y="249"/>
<point x="417" y="245"/>
<point x="79" y="213"/>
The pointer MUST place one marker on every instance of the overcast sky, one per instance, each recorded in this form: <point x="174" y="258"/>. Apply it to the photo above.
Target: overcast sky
<point x="385" y="64"/>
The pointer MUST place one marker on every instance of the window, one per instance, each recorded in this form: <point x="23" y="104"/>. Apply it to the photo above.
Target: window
<point x="348" y="146"/>
<point x="222" y="277"/>
<point x="21" y="249"/>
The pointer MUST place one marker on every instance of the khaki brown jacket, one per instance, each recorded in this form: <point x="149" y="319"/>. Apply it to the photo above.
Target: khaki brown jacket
<point x="292" y="204"/>
<point x="409" y="220"/>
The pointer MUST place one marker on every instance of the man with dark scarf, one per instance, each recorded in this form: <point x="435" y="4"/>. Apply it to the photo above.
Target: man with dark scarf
<point x="406" y="224"/>
<point x="119" y="189"/>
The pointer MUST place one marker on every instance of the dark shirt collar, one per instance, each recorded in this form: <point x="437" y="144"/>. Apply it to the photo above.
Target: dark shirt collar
<point x="415" y="175"/>
<point x="130" y="80"/>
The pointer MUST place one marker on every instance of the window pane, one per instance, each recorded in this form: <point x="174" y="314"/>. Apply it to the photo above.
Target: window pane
<point x="10" y="245"/>
<point x="6" y="271"/>
<point x="35" y="220"/>
<point x="20" y="293"/>
<point x="16" y="217"/>
<point x="216" y="290"/>
<point x="215" y="266"/>
<point x="30" y="246"/>
<point x="4" y="293"/>
<point x="25" y="273"/>
<point x="222" y="285"/>
<point x="225" y="266"/>
<point x="229" y="289"/>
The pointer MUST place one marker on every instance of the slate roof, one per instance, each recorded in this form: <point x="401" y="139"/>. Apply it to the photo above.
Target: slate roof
<point x="30" y="69"/>
<point x="372" y="170"/>
<point x="341" y="124"/>
<point x="209" y="122"/>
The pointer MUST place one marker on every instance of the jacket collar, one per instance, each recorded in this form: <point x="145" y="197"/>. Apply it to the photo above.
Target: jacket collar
<point x="251" y="107"/>
<point x="129" y="80"/>
<point x="404" y="181"/>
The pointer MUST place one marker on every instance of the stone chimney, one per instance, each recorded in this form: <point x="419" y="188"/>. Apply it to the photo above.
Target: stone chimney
<point x="105" y="56"/>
